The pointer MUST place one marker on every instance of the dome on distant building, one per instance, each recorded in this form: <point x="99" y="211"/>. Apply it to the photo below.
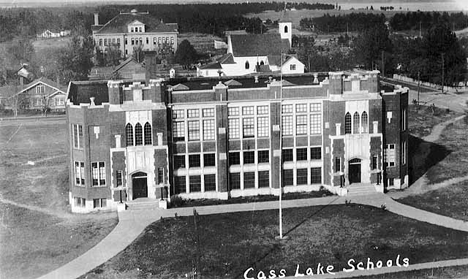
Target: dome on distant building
<point x="134" y="11"/>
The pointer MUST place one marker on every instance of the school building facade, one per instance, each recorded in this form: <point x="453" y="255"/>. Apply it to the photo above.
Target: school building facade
<point x="223" y="138"/>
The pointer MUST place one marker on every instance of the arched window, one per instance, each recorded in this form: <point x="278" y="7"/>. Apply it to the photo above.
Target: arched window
<point x="356" y="123"/>
<point x="262" y="63"/>
<point x="286" y="29"/>
<point x="364" y="122"/>
<point x="148" y="139"/>
<point x="247" y="65"/>
<point x="129" y="134"/>
<point x="138" y="134"/>
<point x="348" y="123"/>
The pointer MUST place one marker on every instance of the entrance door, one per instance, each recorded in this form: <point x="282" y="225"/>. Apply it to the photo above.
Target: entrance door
<point x="354" y="174"/>
<point x="140" y="186"/>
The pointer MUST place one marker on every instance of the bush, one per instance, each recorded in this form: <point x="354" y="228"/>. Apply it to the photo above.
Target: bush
<point x="176" y="201"/>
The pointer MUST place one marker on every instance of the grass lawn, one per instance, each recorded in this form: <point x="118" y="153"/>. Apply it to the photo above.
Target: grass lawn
<point x="37" y="232"/>
<point x="231" y="243"/>
<point x="448" y="201"/>
<point x="435" y="273"/>
<point x="422" y="120"/>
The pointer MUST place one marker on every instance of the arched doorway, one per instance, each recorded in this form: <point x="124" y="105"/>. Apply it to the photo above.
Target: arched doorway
<point x="354" y="173"/>
<point x="140" y="185"/>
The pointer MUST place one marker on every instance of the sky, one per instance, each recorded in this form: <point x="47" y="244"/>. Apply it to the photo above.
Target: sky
<point x="461" y="4"/>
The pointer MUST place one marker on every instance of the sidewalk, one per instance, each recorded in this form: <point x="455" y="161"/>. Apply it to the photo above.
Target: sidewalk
<point x="133" y="222"/>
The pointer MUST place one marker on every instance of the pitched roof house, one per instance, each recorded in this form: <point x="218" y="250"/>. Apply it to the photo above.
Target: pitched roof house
<point x="255" y="53"/>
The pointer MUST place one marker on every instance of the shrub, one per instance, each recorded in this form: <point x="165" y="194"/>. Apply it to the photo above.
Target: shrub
<point x="177" y="201"/>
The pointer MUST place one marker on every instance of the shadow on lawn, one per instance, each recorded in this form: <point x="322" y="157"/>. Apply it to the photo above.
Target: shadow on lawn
<point x="423" y="155"/>
<point x="276" y="246"/>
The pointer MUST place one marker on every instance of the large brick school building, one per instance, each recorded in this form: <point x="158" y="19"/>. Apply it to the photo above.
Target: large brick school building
<point x="241" y="136"/>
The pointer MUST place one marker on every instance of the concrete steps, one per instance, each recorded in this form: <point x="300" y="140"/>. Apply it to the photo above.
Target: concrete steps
<point x="358" y="189"/>
<point x="143" y="204"/>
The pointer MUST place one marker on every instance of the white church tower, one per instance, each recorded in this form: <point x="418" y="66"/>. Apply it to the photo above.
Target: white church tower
<point x="285" y="29"/>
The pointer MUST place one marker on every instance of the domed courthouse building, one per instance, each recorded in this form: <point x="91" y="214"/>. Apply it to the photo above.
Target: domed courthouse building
<point x="221" y="138"/>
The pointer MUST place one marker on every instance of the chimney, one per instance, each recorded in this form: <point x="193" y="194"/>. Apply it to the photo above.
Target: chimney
<point x="96" y="19"/>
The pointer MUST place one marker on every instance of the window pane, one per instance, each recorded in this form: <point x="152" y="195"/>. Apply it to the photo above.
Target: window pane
<point x="148" y="139"/>
<point x="179" y="131"/>
<point x="301" y="176"/>
<point x="287" y="109"/>
<point x="234" y="158"/>
<point x="287" y="155"/>
<point x="248" y="128"/>
<point x="180" y="186"/>
<point x="208" y="129"/>
<point x="262" y="127"/>
<point x="301" y="108"/>
<point x="179" y="161"/>
<point x="210" y="182"/>
<point x="234" y="180"/>
<point x="233" y="111"/>
<point x="263" y="156"/>
<point x="209" y="160"/>
<point x="194" y="161"/>
<point x="301" y="154"/>
<point x="316" y="153"/>
<point x="364" y="122"/>
<point x="138" y="134"/>
<point x="234" y="132"/>
<point x="208" y="112"/>
<point x="178" y="114"/>
<point x="248" y="110"/>
<point x="193" y="113"/>
<point x="315" y="107"/>
<point x="262" y="110"/>
<point x="249" y="180"/>
<point x="249" y="157"/>
<point x="315" y="124"/>
<point x="316" y="176"/>
<point x="194" y="130"/>
<point x="287" y="122"/>
<point x="288" y="179"/>
<point x="348" y="123"/>
<point x="356" y="123"/>
<point x="301" y="125"/>
<point x="263" y="179"/>
<point x="195" y="183"/>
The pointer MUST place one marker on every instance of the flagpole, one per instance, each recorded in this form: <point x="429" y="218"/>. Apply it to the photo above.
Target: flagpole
<point x="280" y="237"/>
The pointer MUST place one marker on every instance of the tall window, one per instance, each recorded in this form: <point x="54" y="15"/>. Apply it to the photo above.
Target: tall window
<point x="180" y="184"/>
<point x="194" y="130"/>
<point x="148" y="139"/>
<point x="119" y="178"/>
<point x="286" y="29"/>
<point x="247" y="65"/>
<point x="179" y="131"/>
<point x="287" y="125"/>
<point x="389" y="155"/>
<point x="288" y="178"/>
<point x="209" y="160"/>
<point x="403" y="153"/>
<point x="301" y="154"/>
<point x="315" y="175"/>
<point x="316" y="153"/>
<point x="262" y="127"/>
<point x="40" y="89"/>
<point x="374" y="162"/>
<point x="194" y="161"/>
<point x="138" y="134"/>
<point x="234" y="158"/>
<point x="403" y="119"/>
<point x="77" y="136"/>
<point x="234" y="180"/>
<point x="263" y="179"/>
<point x="301" y="177"/>
<point x="315" y="124"/>
<point x="263" y="156"/>
<point x="79" y="173"/>
<point x="98" y="173"/>
<point x="234" y="131"/>
<point x="337" y="164"/>
<point x="208" y="129"/>
<point x="364" y="122"/>
<point x="249" y="180"/>
<point x="348" y="123"/>
<point x="195" y="183"/>
<point x="179" y="161"/>
<point x="287" y="155"/>
<point x="129" y="134"/>
<point x="210" y="182"/>
<point x="301" y="125"/>
<point x="248" y="129"/>
<point x="249" y="157"/>
<point x="356" y="123"/>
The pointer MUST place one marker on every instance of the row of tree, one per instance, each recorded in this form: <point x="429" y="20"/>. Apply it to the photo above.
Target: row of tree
<point x="437" y="57"/>
<point x="398" y="22"/>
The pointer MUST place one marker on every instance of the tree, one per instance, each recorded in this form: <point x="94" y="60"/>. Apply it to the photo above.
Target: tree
<point x="369" y="45"/>
<point x="75" y="61"/>
<point x="186" y="54"/>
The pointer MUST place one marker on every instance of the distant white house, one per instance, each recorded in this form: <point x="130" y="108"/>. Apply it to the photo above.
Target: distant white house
<point x="255" y="53"/>
<point x="49" y="34"/>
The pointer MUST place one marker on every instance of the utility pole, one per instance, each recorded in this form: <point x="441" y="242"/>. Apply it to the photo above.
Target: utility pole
<point x="420" y="29"/>
<point x="383" y="63"/>
<point x="443" y="72"/>
<point x="419" y="82"/>
<point x="197" y="260"/>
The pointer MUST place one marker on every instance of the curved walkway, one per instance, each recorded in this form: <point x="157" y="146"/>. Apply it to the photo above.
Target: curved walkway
<point x="133" y="222"/>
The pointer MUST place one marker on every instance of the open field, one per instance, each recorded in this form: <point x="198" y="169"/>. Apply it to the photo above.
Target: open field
<point x="231" y="243"/>
<point x="52" y="43"/>
<point x="37" y="232"/>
